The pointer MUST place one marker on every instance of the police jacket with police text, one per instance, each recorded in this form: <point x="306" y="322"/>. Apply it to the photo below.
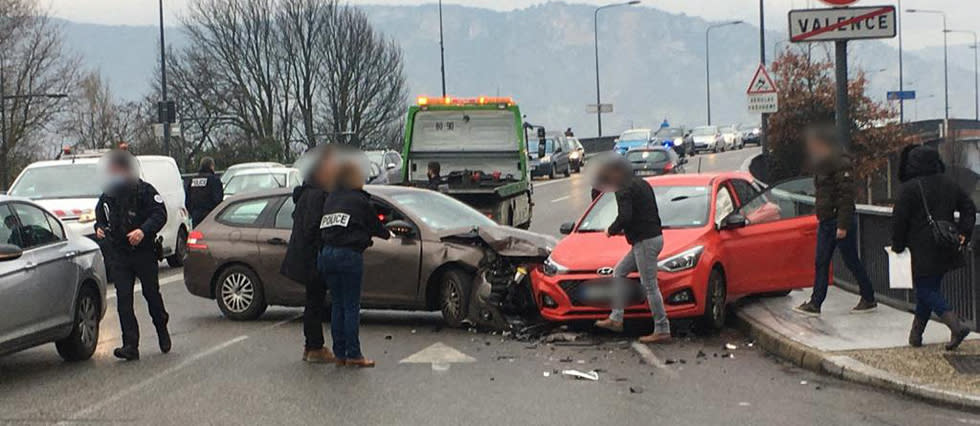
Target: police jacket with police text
<point x="349" y="220"/>
<point x="204" y="192"/>
<point x="123" y="210"/>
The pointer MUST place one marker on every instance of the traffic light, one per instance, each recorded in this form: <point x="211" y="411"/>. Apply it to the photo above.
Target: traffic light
<point x="166" y="112"/>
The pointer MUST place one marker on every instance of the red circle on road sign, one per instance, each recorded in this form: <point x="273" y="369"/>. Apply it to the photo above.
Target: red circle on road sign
<point x="840" y="2"/>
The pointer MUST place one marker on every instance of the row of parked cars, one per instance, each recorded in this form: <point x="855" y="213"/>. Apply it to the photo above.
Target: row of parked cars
<point x="690" y="141"/>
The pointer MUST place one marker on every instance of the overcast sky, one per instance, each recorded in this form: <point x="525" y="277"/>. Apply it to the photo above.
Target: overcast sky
<point x="920" y="30"/>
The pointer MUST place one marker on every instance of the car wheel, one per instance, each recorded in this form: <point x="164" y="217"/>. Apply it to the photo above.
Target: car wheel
<point x="84" y="337"/>
<point x="454" y="291"/>
<point x="551" y="173"/>
<point x="716" y="307"/>
<point x="568" y="170"/>
<point x="176" y="260"/>
<point x="239" y="294"/>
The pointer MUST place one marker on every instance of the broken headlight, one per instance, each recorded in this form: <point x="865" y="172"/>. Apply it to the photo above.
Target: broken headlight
<point x="683" y="260"/>
<point x="552" y="268"/>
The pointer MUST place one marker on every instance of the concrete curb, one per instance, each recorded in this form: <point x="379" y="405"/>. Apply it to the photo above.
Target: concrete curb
<point x="847" y="368"/>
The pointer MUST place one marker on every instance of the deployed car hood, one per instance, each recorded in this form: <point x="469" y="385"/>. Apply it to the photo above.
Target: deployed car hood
<point x="507" y="241"/>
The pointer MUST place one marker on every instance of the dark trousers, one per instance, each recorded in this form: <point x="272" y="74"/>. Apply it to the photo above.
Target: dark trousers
<point x="314" y="313"/>
<point x="826" y="243"/>
<point x="343" y="269"/>
<point x="126" y="268"/>
<point x="929" y="296"/>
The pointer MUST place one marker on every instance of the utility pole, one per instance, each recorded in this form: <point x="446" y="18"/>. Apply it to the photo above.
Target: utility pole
<point x="165" y="122"/>
<point x="901" y="66"/>
<point x="762" y="56"/>
<point x="442" y="52"/>
<point x="707" y="60"/>
<point x="595" y="24"/>
<point x="842" y="104"/>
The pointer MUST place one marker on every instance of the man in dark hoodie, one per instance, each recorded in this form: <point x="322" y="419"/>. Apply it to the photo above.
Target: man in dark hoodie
<point x="299" y="263"/>
<point x="836" y="191"/>
<point x="925" y="192"/>
<point x="203" y="192"/>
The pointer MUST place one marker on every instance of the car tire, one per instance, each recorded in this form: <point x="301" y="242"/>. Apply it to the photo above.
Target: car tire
<point x="239" y="294"/>
<point x="176" y="260"/>
<point x="454" y="296"/>
<point x="568" y="170"/>
<point x="716" y="308"/>
<point x="551" y="173"/>
<point x="84" y="337"/>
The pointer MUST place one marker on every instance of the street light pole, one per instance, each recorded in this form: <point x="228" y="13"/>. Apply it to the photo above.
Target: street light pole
<point x="945" y="52"/>
<point x="163" y="87"/>
<point x="442" y="52"/>
<point x="901" y="66"/>
<point x="595" y="23"/>
<point x="976" y="79"/>
<point x="707" y="60"/>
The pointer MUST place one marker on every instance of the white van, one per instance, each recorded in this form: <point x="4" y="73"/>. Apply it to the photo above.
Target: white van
<point x="69" y="188"/>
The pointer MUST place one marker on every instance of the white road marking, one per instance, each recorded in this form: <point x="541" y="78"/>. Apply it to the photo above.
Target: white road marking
<point x="550" y="182"/>
<point x="650" y="358"/>
<point x="111" y="294"/>
<point x="437" y="353"/>
<point x="560" y="199"/>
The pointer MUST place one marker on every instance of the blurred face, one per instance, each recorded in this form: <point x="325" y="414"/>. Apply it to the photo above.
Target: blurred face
<point x="326" y="172"/>
<point x="817" y="149"/>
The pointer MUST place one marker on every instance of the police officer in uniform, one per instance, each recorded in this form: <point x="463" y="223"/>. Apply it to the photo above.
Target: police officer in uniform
<point x="129" y="214"/>
<point x="204" y="192"/>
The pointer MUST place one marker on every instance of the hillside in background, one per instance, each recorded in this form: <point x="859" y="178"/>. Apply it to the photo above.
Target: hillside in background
<point x="652" y="62"/>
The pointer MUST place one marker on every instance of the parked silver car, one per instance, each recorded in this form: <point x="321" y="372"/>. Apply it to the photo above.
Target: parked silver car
<point x="52" y="283"/>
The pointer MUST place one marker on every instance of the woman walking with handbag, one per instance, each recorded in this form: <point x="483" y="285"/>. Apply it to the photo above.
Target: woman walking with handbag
<point x="924" y="223"/>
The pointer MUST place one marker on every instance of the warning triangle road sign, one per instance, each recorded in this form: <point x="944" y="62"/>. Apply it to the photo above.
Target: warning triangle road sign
<point x="761" y="82"/>
<point x="438" y="353"/>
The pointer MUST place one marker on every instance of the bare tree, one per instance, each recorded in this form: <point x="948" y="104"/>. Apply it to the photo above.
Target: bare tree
<point x="305" y="24"/>
<point x="34" y="62"/>
<point x="93" y="119"/>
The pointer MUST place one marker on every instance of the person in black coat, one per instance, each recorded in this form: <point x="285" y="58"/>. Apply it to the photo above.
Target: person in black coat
<point x="299" y="264"/>
<point x="348" y="224"/>
<point x="925" y="186"/>
<point x="203" y="192"/>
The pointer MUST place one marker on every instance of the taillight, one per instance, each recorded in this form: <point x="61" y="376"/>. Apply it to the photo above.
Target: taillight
<point x="195" y="241"/>
<point x="669" y="168"/>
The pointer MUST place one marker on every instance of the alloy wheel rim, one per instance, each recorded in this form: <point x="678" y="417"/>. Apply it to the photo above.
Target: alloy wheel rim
<point x="237" y="292"/>
<point x="88" y="322"/>
<point x="452" y="299"/>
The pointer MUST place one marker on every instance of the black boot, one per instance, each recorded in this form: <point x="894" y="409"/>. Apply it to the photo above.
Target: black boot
<point x="958" y="330"/>
<point x="918" y="327"/>
<point x="128" y="353"/>
<point x="163" y="336"/>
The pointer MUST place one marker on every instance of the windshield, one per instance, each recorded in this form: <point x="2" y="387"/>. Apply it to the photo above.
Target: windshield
<point x="680" y="207"/>
<point x="670" y="133"/>
<point x="465" y="130"/>
<point x="705" y="131"/>
<point x="441" y="212"/>
<point x="635" y="135"/>
<point x="67" y="181"/>
<point x="533" y="144"/>
<point x="242" y="184"/>
<point x="650" y="157"/>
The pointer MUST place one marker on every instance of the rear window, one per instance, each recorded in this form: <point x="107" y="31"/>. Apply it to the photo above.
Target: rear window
<point x="243" y="184"/>
<point x="244" y="213"/>
<point x="475" y="130"/>
<point x="63" y="181"/>
<point x="654" y="156"/>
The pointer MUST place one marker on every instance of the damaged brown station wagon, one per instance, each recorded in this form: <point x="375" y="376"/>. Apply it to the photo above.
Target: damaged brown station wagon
<point x="443" y="256"/>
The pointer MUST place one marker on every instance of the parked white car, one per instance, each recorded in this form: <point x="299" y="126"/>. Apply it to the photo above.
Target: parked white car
<point x="260" y="179"/>
<point x="69" y="188"/>
<point x="732" y="137"/>
<point x="241" y="167"/>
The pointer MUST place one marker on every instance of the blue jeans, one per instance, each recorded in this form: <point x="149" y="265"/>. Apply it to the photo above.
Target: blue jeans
<point x="342" y="270"/>
<point x="826" y="243"/>
<point x="929" y="297"/>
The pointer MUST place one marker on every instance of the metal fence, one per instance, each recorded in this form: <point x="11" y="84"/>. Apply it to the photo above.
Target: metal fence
<point x="874" y="234"/>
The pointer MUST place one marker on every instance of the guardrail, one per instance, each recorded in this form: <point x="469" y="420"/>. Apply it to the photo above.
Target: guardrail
<point x="874" y="234"/>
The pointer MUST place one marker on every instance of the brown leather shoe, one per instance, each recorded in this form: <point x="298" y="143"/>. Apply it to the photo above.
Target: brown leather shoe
<point x="318" y="356"/>
<point x="656" y="338"/>
<point x="360" y="363"/>
<point x="610" y="324"/>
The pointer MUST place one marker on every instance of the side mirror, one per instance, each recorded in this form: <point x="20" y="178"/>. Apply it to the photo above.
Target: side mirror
<point x="10" y="252"/>
<point x="401" y="228"/>
<point x="566" y="228"/>
<point x="542" y="151"/>
<point x="734" y="221"/>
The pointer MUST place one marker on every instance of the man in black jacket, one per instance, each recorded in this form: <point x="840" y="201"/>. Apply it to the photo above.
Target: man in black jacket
<point x="203" y="192"/>
<point x="836" y="191"/>
<point x="129" y="215"/>
<point x="639" y="221"/>
<point x="926" y="192"/>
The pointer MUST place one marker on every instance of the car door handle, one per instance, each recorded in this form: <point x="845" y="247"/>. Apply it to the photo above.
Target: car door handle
<point x="277" y="241"/>
<point x="71" y="254"/>
<point x="29" y="265"/>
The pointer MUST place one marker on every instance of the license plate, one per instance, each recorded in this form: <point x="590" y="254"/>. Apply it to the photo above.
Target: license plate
<point x="646" y="172"/>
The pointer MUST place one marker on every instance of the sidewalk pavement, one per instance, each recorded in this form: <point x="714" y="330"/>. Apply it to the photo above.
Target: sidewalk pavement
<point x="870" y="348"/>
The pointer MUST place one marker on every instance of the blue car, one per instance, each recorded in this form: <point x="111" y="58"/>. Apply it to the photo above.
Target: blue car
<point x="633" y="138"/>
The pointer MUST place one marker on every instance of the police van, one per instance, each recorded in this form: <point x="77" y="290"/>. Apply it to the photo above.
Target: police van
<point x="69" y="188"/>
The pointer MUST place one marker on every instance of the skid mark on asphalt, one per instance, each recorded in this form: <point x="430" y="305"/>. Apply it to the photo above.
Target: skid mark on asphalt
<point x="650" y="358"/>
<point x="111" y="294"/>
<point x="78" y="416"/>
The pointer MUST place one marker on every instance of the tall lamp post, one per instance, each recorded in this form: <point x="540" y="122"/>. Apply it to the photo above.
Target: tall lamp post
<point x="165" y="122"/>
<point x="595" y="22"/>
<point x="976" y="79"/>
<point x="945" y="52"/>
<point x="4" y="149"/>
<point x="707" y="59"/>
<point x="442" y="53"/>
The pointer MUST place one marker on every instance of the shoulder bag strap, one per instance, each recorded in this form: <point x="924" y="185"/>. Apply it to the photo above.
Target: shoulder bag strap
<point x="925" y="205"/>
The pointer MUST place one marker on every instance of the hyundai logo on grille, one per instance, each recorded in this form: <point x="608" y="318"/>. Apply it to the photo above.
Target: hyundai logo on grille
<point x="605" y="271"/>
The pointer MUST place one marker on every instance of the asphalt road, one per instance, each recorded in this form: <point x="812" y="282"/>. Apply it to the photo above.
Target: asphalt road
<point x="224" y="372"/>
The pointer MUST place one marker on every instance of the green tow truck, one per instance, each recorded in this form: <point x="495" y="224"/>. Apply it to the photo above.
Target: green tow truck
<point x="480" y="146"/>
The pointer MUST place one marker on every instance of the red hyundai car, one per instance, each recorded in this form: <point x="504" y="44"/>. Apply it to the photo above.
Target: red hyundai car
<point x="724" y="237"/>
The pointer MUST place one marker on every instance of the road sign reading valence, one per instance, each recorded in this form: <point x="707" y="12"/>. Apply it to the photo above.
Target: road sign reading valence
<point x="851" y="23"/>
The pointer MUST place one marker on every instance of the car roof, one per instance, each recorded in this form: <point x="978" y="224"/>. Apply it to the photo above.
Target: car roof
<point x="91" y="160"/>
<point x="383" y="191"/>
<point x="650" y="148"/>
<point x="263" y="171"/>
<point x="256" y="164"/>
<point x="696" y="179"/>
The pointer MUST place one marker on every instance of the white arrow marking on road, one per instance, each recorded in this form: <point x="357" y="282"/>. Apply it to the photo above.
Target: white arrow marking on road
<point x="438" y="353"/>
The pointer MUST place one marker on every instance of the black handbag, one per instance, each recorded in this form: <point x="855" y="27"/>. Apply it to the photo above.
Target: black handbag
<point x="945" y="234"/>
